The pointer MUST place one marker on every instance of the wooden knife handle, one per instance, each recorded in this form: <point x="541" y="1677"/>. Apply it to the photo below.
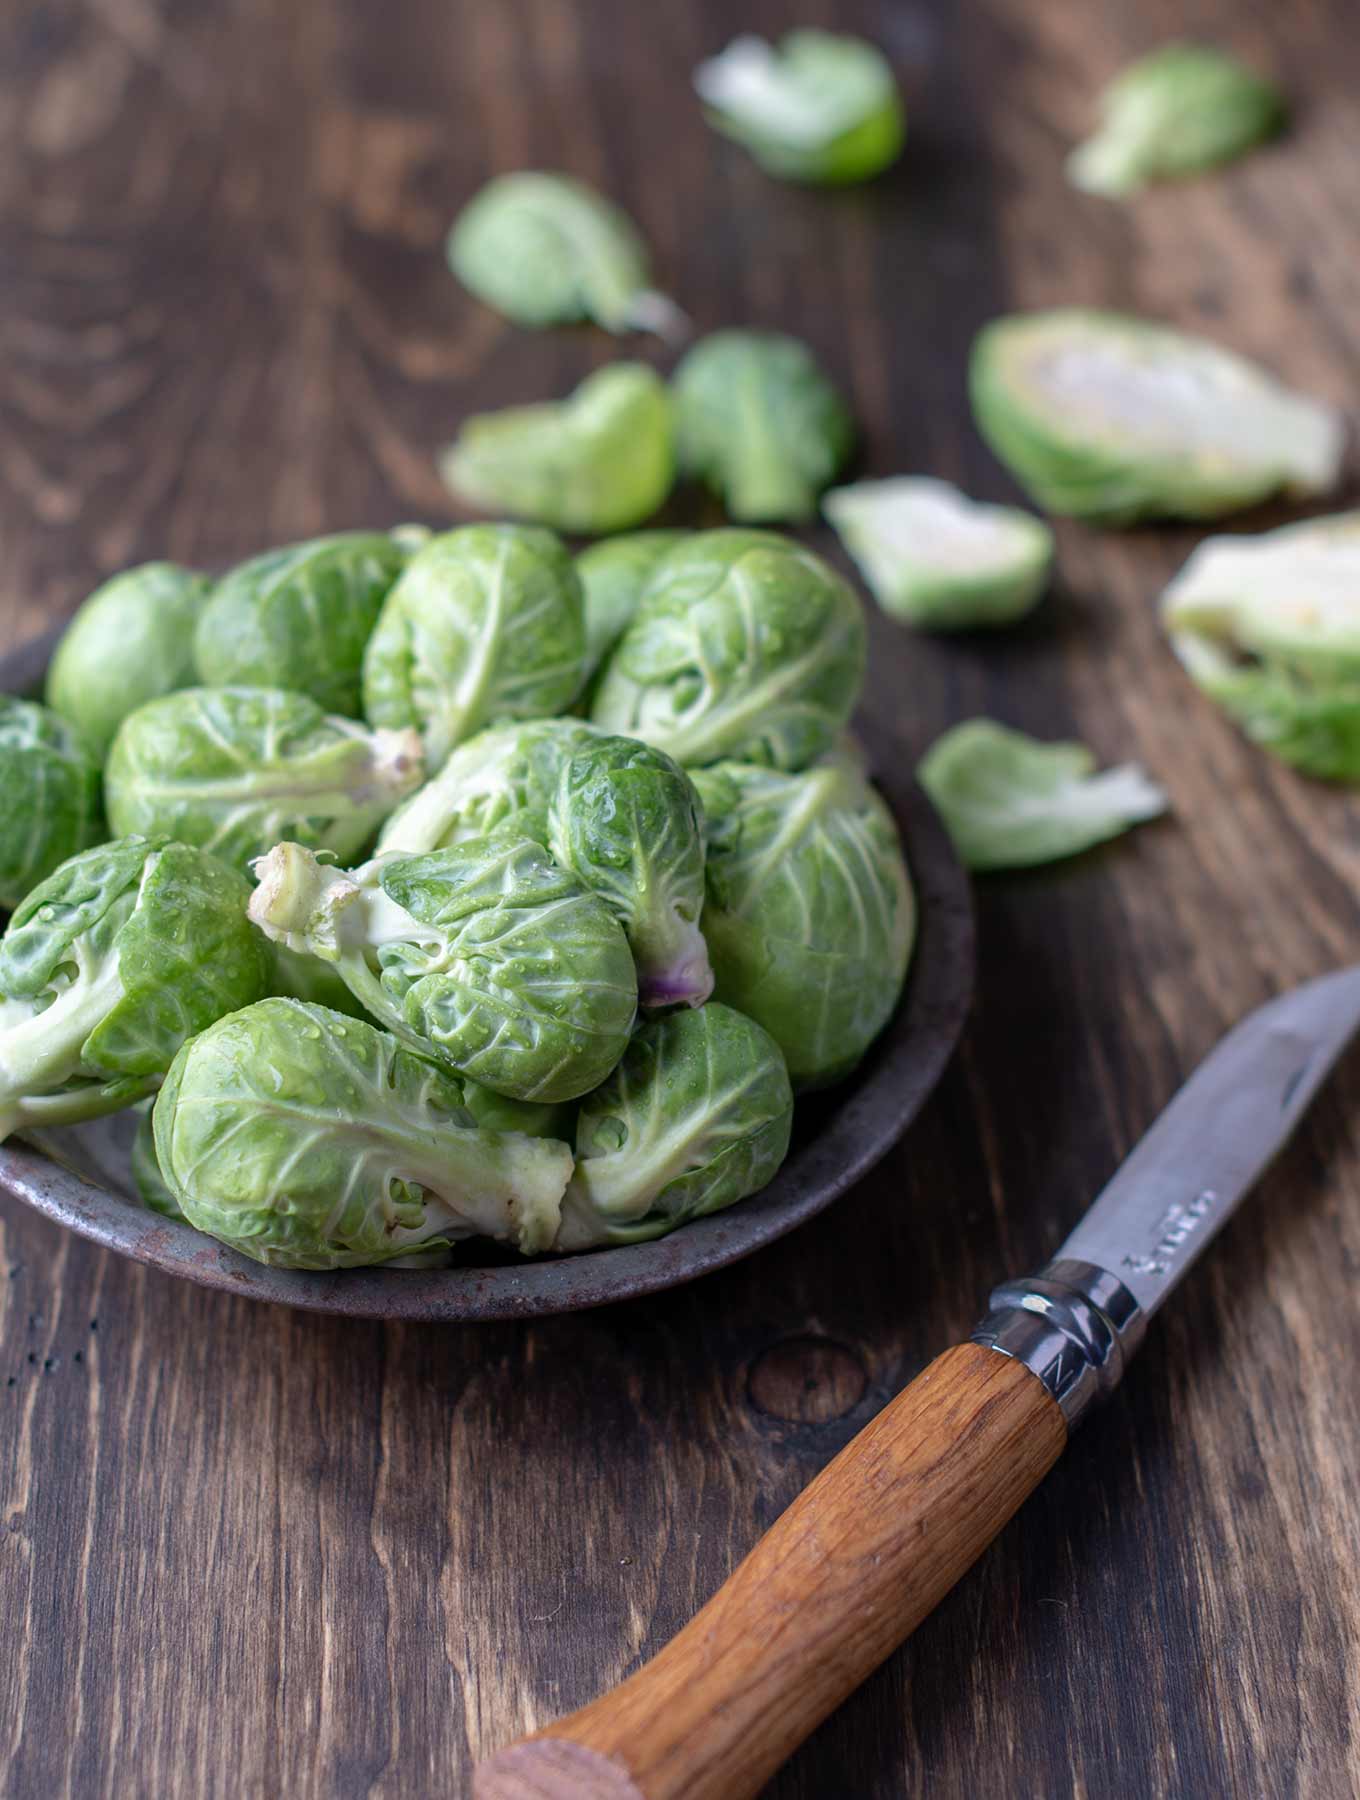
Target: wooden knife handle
<point x="847" y="1573"/>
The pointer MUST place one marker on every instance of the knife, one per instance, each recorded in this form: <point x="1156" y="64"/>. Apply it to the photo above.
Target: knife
<point x="884" y="1532"/>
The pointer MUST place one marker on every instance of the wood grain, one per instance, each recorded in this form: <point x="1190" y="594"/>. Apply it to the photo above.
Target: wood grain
<point x="861" y="1557"/>
<point x="247" y="1554"/>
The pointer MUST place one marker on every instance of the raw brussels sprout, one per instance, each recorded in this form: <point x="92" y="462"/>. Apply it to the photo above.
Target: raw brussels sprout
<point x="233" y="769"/>
<point x="312" y="1141"/>
<point x="132" y="641"/>
<point x="1009" y="802"/>
<point x="152" y="1187"/>
<point x="1106" y="417"/>
<point x="696" y="1117"/>
<point x="745" y="645"/>
<point x="810" y="916"/>
<point x="486" y="623"/>
<point x="501" y="780"/>
<point x="936" y="559"/>
<point x="819" y="108"/>
<point x="600" y="460"/>
<point x="106" y="968"/>
<point x="486" y="956"/>
<point x="300" y="617"/>
<point x="1182" y="109"/>
<point x="546" y="250"/>
<point x="50" y="785"/>
<point x="613" y="575"/>
<point x="626" y="822"/>
<point x="1269" y="627"/>
<point x="758" y="421"/>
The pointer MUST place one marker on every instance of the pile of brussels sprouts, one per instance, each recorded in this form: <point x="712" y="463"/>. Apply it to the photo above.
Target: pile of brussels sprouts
<point x="441" y="886"/>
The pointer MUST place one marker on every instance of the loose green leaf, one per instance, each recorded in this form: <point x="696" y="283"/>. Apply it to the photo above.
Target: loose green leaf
<point x="545" y="250"/>
<point x="1183" y="109"/>
<point x="485" y="624"/>
<point x="312" y="1141"/>
<point x="131" y="642"/>
<point x="744" y="645"/>
<point x="1009" y="801"/>
<point x="1106" y="417"/>
<point x="936" y="559"/>
<point x="819" y="107"/>
<point x="758" y="421"/>
<point x="696" y="1117"/>
<point x="50" y="787"/>
<point x="1269" y="627"/>
<point x="600" y="460"/>
<point x="300" y="617"/>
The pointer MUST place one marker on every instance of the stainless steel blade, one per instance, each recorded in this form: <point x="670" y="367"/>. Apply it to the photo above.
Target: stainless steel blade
<point x="1185" y="1178"/>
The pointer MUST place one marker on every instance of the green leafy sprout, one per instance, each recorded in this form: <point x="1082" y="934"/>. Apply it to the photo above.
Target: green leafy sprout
<point x="50" y="783"/>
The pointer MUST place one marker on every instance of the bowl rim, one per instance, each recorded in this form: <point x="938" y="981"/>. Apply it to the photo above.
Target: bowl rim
<point x="866" y="1116"/>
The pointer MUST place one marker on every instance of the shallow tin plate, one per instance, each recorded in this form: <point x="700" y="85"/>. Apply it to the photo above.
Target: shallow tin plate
<point x="838" y="1137"/>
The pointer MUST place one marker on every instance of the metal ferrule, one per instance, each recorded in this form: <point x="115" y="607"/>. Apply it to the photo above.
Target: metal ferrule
<point x="1073" y="1325"/>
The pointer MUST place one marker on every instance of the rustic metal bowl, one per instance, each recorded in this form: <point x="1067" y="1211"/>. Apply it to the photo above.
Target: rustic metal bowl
<point x="838" y="1137"/>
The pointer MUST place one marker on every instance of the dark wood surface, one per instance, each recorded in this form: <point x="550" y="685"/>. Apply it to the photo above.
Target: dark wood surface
<point x="251" y="1552"/>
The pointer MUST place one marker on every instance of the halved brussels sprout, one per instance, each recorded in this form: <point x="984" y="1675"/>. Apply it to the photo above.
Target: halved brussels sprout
<point x="810" y="917"/>
<point x="1184" y="108"/>
<point x="122" y="953"/>
<point x="545" y="249"/>
<point x="299" y="618"/>
<point x="758" y="421"/>
<point x="934" y="558"/>
<point x="1106" y="417"/>
<point x="501" y="780"/>
<point x="50" y="787"/>
<point x="312" y="1141"/>
<point x="820" y="107"/>
<point x="233" y="769"/>
<point x="486" y="623"/>
<point x="152" y="1188"/>
<point x="625" y="820"/>
<point x="600" y="460"/>
<point x="132" y="641"/>
<point x="613" y="574"/>
<point x="744" y="645"/>
<point x="1269" y="627"/>
<point x="696" y="1117"/>
<point x="486" y="956"/>
<point x="1009" y="801"/>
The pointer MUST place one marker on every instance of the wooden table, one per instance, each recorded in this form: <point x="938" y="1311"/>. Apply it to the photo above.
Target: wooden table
<point x="250" y="1552"/>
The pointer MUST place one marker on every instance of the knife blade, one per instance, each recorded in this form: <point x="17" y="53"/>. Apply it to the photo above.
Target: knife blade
<point x="883" y="1533"/>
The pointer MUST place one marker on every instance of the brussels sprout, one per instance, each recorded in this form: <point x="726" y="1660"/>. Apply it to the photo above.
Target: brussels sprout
<point x="312" y="1141"/>
<point x="501" y="780"/>
<point x="810" y="916"/>
<point x="1182" y="109"/>
<point x="613" y="575"/>
<point x="232" y="769"/>
<point x="152" y="1187"/>
<point x="745" y="645"/>
<point x="106" y="968"/>
<point x="131" y="642"/>
<point x="486" y="623"/>
<point x="546" y="250"/>
<point x="819" y="108"/>
<point x="626" y="822"/>
<point x="1010" y="802"/>
<point x="1106" y="417"/>
<point x="936" y="559"/>
<point x="1269" y="627"/>
<point x="50" y="784"/>
<point x="485" y="956"/>
<point x="600" y="460"/>
<point x="299" y="618"/>
<point x="758" y="421"/>
<point x="696" y="1117"/>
